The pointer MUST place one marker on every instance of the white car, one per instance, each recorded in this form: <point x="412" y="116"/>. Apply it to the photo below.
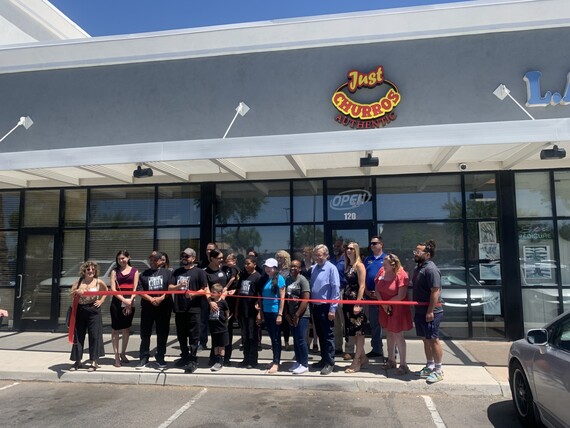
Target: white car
<point x="539" y="374"/>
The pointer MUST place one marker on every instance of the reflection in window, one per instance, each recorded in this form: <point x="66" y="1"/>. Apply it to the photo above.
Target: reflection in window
<point x="266" y="240"/>
<point x="9" y="209"/>
<point x="419" y="197"/>
<point x="260" y="202"/>
<point x="481" y="195"/>
<point x="307" y="235"/>
<point x="75" y="207"/>
<point x="540" y="305"/>
<point x="178" y="205"/>
<point x="536" y="251"/>
<point x="118" y="207"/>
<point x="402" y="238"/>
<point x="307" y="201"/>
<point x="41" y="208"/>
<point x="562" y="186"/>
<point x="349" y="199"/>
<point x="174" y="240"/>
<point x="104" y="244"/>
<point x="564" y="244"/>
<point x="73" y="255"/>
<point x="8" y="256"/>
<point x="484" y="251"/>
<point x="533" y="194"/>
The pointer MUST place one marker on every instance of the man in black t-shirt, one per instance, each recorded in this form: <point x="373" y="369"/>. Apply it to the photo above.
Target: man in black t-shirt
<point x="247" y="313"/>
<point x="188" y="307"/>
<point x="155" y="309"/>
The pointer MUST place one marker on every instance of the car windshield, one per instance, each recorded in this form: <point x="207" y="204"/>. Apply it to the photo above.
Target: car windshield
<point x="456" y="277"/>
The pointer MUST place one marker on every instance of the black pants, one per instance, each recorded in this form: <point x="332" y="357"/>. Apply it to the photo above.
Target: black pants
<point x="188" y="334"/>
<point x="88" y="320"/>
<point x="205" y="314"/>
<point x="158" y="316"/>
<point x="249" y="339"/>
<point x="325" y="331"/>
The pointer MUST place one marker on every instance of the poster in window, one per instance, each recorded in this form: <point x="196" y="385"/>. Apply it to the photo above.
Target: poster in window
<point x="537" y="262"/>
<point x="490" y="271"/>
<point x="489" y="251"/>
<point x="487" y="231"/>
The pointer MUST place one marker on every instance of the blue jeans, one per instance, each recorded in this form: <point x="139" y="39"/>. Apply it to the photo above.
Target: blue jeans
<point x="274" y="331"/>
<point x="300" y="346"/>
<point x="325" y="331"/>
<point x="375" y="329"/>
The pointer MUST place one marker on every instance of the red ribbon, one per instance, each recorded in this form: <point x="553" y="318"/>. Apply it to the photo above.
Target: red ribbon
<point x="71" y="331"/>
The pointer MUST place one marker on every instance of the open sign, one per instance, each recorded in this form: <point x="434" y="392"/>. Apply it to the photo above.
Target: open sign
<point x="350" y="199"/>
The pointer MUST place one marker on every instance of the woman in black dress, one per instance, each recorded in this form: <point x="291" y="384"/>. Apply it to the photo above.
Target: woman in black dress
<point x="123" y="278"/>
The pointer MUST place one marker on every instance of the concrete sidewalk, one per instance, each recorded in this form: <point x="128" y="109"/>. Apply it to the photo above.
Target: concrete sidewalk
<point x="471" y="368"/>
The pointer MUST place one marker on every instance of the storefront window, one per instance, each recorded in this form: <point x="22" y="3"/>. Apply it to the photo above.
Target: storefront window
<point x="562" y="187"/>
<point x="8" y="258"/>
<point x="259" y="202"/>
<point x="481" y="195"/>
<point x="266" y="240"/>
<point x="533" y="194"/>
<point x="308" y="201"/>
<point x="9" y="209"/>
<point x="178" y="205"/>
<point x="349" y="199"/>
<point x="307" y="235"/>
<point x="540" y="305"/>
<point x="41" y="208"/>
<point x="117" y="207"/>
<point x="75" y="207"/>
<point x="73" y="254"/>
<point x="174" y="240"/>
<point x="564" y="244"/>
<point x="536" y="252"/>
<point x="419" y="197"/>
<point x="105" y="243"/>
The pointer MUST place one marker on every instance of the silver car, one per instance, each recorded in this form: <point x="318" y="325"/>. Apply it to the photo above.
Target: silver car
<point x="539" y="374"/>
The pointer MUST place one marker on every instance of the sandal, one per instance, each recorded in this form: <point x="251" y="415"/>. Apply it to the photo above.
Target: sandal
<point x="124" y="359"/>
<point x="117" y="363"/>
<point x="93" y="367"/>
<point x="389" y="364"/>
<point x="403" y="370"/>
<point x="274" y="368"/>
<point x="76" y="365"/>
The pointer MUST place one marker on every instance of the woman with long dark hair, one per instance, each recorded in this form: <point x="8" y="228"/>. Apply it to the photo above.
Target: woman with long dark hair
<point x="273" y="294"/>
<point x="124" y="278"/>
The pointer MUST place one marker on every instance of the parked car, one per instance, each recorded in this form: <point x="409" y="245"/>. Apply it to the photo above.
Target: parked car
<point x="539" y="374"/>
<point x="41" y="295"/>
<point x="454" y="292"/>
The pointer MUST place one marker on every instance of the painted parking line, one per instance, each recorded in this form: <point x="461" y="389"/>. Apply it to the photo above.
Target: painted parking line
<point x="435" y="416"/>
<point x="181" y="410"/>
<point x="9" y="386"/>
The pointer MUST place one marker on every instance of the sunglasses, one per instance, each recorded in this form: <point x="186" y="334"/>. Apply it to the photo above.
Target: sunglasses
<point x="374" y="243"/>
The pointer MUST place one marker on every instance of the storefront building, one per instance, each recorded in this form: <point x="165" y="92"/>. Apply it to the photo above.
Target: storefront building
<point x="411" y="87"/>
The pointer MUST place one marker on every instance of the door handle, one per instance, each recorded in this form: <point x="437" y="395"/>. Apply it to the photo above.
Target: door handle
<point x="19" y="296"/>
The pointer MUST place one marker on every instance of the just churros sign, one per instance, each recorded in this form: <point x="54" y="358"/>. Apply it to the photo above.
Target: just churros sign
<point x="361" y="108"/>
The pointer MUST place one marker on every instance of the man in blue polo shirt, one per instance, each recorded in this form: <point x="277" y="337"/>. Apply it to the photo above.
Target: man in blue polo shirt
<point x="373" y="263"/>
<point x="325" y="285"/>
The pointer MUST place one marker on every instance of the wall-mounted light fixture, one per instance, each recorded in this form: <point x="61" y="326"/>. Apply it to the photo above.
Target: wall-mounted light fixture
<point x="241" y="109"/>
<point x="554" y="153"/>
<point x="502" y="92"/>
<point x="24" y="121"/>
<point x="141" y="172"/>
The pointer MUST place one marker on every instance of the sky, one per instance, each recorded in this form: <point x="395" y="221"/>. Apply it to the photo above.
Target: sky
<point x="114" y="17"/>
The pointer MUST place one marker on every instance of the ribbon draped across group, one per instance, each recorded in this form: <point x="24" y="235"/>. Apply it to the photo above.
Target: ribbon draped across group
<point x="75" y="302"/>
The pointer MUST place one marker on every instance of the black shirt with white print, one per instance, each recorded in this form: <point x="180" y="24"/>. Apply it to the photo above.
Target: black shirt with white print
<point x="156" y="280"/>
<point x="196" y="280"/>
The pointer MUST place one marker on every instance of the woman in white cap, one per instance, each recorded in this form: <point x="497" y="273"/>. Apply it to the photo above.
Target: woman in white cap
<point x="272" y="303"/>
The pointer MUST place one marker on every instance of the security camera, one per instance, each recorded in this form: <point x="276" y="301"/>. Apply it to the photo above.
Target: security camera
<point x="462" y="166"/>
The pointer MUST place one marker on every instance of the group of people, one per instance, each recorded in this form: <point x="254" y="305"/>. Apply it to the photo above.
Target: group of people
<point x="286" y="296"/>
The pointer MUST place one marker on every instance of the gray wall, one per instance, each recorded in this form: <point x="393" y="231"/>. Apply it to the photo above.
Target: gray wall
<point x="442" y="81"/>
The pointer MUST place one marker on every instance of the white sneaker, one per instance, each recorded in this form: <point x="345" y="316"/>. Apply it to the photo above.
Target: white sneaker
<point x="301" y="369"/>
<point x="294" y="367"/>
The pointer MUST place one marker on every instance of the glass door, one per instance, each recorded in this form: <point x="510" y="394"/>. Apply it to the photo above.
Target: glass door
<point x="354" y="231"/>
<point x="37" y="284"/>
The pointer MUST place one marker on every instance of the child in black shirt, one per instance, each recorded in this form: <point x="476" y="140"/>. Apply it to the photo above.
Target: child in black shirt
<point x="218" y="325"/>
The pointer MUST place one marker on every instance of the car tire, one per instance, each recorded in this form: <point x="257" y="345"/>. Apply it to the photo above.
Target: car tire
<point x="522" y="396"/>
